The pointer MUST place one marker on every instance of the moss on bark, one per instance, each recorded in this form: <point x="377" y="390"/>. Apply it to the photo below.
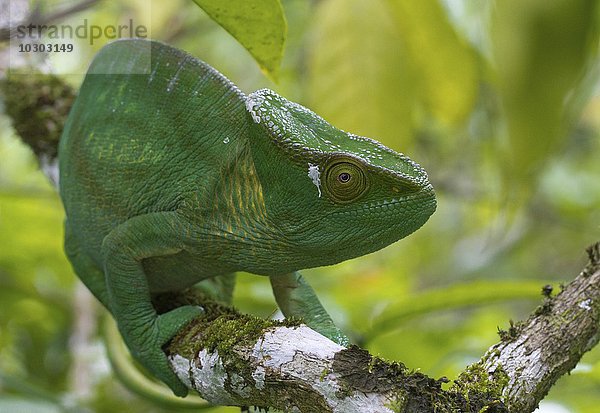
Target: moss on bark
<point x="38" y="106"/>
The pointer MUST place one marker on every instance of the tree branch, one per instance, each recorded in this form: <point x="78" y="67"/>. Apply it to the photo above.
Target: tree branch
<point x="37" y="19"/>
<point x="236" y="359"/>
<point x="551" y="342"/>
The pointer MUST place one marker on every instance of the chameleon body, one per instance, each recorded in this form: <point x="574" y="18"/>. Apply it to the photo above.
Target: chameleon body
<point x="175" y="176"/>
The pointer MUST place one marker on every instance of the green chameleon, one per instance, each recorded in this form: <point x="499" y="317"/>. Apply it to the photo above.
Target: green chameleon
<point x="174" y="176"/>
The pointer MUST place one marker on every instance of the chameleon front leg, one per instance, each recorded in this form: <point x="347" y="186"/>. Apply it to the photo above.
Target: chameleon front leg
<point x="296" y="298"/>
<point x="143" y="330"/>
<point x="219" y="288"/>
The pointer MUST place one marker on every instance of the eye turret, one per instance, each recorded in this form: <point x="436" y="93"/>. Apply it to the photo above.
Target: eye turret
<point x="345" y="180"/>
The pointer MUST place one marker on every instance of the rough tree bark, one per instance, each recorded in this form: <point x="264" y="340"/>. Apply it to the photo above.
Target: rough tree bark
<point x="239" y="360"/>
<point x="236" y="359"/>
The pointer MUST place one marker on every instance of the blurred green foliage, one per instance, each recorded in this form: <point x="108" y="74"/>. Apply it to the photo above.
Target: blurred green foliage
<point x="259" y="26"/>
<point x="498" y="100"/>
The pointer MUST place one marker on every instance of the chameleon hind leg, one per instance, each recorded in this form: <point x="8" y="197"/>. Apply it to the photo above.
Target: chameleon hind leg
<point x="86" y="268"/>
<point x="296" y="298"/>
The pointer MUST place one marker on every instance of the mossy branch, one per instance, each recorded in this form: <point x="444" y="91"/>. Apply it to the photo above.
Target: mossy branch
<point x="237" y="359"/>
<point x="550" y="343"/>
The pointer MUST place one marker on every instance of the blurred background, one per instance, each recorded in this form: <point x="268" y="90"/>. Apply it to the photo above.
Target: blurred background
<point x="498" y="100"/>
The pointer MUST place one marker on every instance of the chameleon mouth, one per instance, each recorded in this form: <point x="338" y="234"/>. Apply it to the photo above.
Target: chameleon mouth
<point x="385" y="205"/>
<point x="423" y="198"/>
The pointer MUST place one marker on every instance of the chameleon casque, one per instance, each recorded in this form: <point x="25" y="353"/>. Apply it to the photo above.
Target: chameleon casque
<point x="175" y="177"/>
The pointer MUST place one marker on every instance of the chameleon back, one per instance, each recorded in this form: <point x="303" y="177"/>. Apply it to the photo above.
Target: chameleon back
<point x="142" y="143"/>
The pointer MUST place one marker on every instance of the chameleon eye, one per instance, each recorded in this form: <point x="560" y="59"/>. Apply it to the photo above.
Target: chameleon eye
<point x="345" y="180"/>
<point x="344" y="177"/>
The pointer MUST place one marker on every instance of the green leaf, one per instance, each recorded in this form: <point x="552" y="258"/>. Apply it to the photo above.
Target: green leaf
<point x="360" y="77"/>
<point x="259" y="25"/>
<point x="445" y="63"/>
<point x="542" y="50"/>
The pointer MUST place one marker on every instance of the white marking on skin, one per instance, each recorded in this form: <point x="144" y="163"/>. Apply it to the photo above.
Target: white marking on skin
<point x="175" y="77"/>
<point x="252" y="105"/>
<point x="315" y="176"/>
<point x="152" y="74"/>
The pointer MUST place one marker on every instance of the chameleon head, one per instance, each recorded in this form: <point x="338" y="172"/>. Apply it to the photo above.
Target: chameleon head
<point x="331" y="194"/>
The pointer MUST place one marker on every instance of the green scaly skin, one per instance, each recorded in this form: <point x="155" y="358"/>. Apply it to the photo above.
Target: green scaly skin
<point x="175" y="176"/>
